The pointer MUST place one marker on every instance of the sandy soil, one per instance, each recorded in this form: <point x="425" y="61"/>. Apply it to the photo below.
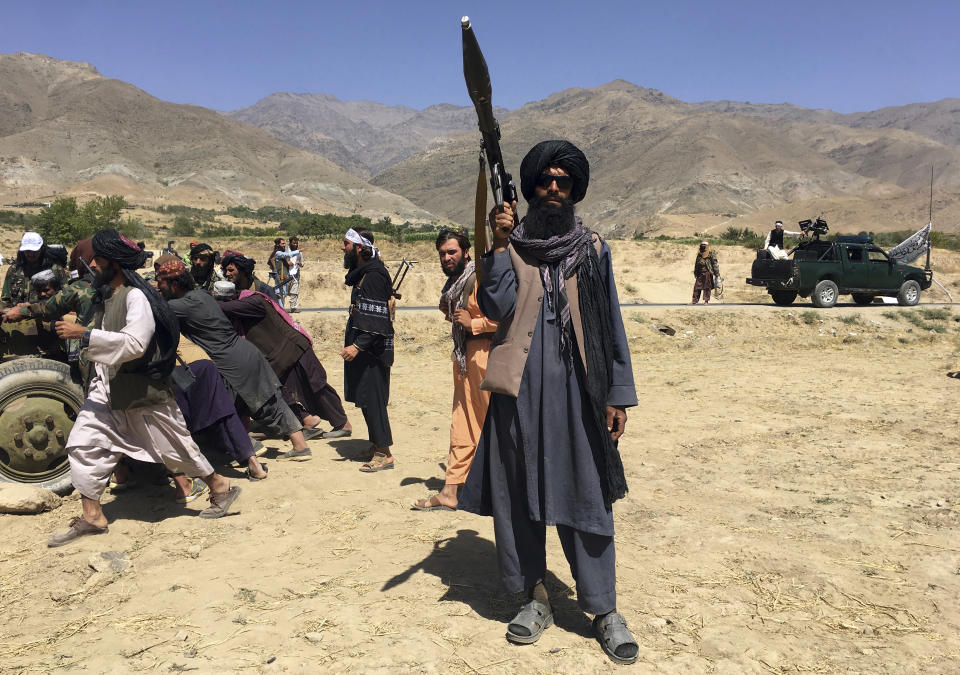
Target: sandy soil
<point x="793" y="508"/>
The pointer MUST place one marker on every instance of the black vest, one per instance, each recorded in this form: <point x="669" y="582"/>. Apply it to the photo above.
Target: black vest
<point x="776" y="237"/>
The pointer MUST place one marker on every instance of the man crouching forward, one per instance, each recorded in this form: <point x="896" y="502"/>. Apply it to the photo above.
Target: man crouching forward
<point x="130" y="409"/>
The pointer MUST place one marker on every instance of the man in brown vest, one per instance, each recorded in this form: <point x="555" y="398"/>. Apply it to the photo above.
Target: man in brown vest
<point x="289" y="351"/>
<point x="130" y="409"/>
<point x="471" y="332"/>
<point x="560" y="376"/>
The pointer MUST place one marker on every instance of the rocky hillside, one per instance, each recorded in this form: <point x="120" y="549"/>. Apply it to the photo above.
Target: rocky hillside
<point x="364" y="137"/>
<point x="66" y="129"/>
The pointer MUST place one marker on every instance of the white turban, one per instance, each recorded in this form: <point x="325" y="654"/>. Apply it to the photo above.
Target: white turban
<point x="353" y="236"/>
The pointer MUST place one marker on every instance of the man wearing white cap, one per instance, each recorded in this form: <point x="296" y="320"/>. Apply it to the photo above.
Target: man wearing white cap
<point x="774" y="241"/>
<point x="34" y="256"/>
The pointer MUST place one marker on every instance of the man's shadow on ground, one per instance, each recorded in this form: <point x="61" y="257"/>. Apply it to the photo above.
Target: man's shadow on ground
<point x="351" y="449"/>
<point x="433" y="484"/>
<point x="467" y="565"/>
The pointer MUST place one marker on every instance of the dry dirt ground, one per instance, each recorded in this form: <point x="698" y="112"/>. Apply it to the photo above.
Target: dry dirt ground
<point x="792" y="508"/>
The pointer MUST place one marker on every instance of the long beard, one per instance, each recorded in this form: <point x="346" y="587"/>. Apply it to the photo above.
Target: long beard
<point x="201" y="273"/>
<point x="457" y="270"/>
<point x="350" y="259"/>
<point x="545" y="221"/>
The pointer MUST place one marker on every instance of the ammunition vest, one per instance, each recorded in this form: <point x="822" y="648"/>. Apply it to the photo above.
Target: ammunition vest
<point x="130" y="386"/>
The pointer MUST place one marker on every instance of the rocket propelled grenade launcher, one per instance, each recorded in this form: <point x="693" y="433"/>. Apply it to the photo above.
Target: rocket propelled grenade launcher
<point x="477" y="77"/>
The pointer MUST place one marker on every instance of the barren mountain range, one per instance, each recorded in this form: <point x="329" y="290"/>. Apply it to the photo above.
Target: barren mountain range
<point x="66" y="129"/>
<point x="658" y="164"/>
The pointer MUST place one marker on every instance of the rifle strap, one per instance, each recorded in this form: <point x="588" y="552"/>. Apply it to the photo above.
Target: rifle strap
<point x="480" y="213"/>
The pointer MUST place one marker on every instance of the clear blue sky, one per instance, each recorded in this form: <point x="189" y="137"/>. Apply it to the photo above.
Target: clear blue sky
<point x="846" y="55"/>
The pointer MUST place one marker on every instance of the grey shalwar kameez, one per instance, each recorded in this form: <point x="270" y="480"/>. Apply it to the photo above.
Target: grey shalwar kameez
<point x="242" y="365"/>
<point x="534" y="464"/>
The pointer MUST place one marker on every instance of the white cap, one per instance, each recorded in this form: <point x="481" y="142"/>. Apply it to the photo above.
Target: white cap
<point x="224" y="289"/>
<point x="31" y="242"/>
<point x="705" y="242"/>
<point x="779" y="222"/>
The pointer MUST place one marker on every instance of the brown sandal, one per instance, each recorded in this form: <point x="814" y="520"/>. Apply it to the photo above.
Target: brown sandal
<point x="378" y="463"/>
<point x="220" y="503"/>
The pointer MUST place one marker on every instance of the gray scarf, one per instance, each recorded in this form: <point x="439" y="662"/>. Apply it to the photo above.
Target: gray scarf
<point x="449" y="304"/>
<point x="567" y="252"/>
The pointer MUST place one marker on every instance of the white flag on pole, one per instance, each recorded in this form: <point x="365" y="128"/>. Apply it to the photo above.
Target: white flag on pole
<point x="912" y="247"/>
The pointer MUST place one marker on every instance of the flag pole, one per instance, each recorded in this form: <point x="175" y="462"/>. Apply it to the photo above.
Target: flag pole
<point x="930" y="231"/>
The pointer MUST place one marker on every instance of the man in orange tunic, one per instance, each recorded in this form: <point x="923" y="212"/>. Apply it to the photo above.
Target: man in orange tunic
<point x="472" y="332"/>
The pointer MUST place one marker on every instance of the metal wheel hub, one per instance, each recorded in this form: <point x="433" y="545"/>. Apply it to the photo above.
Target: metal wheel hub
<point x="33" y="435"/>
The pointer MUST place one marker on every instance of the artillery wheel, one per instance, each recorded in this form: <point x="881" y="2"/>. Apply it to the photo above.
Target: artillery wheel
<point x="862" y="298"/>
<point x="783" y="298"/>
<point x="825" y="294"/>
<point x="39" y="402"/>
<point x="909" y="293"/>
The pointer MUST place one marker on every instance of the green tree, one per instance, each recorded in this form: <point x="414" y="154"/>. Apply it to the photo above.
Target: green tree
<point x="65" y="222"/>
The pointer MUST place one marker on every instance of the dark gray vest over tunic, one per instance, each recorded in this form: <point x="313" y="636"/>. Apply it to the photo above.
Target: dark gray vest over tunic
<point x="130" y="386"/>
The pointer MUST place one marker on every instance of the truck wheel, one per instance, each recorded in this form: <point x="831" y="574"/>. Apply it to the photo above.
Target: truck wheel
<point x="862" y="298"/>
<point x="39" y="402"/>
<point x="825" y="294"/>
<point x="783" y="298"/>
<point x="909" y="293"/>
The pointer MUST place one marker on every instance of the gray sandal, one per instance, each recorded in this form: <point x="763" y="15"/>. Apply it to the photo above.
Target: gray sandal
<point x="617" y="641"/>
<point x="532" y="619"/>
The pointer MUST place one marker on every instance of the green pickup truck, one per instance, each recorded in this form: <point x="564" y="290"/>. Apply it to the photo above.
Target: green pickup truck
<point x="823" y="270"/>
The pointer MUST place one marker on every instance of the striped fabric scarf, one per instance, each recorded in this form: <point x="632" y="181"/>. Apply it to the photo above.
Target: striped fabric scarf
<point x="449" y="304"/>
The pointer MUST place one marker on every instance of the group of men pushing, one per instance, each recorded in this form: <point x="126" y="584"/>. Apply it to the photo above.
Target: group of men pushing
<point x="541" y="367"/>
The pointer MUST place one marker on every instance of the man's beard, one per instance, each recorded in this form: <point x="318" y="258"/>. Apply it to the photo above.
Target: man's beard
<point x="350" y="259"/>
<point x="201" y="273"/>
<point x="167" y="293"/>
<point x="456" y="270"/>
<point x="103" y="277"/>
<point x="545" y="221"/>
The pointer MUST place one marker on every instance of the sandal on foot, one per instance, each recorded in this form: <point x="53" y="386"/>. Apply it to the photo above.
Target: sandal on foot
<point x="615" y="638"/>
<point x="431" y="504"/>
<point x="310" y="434"/>
<point x="197" y="488"/>
<point x="378" y="463"/>
<point x="253" y="478"/>
<point x="532" y="619"/>
<point x="220" y="503"/>
<point x="79" y="527"/>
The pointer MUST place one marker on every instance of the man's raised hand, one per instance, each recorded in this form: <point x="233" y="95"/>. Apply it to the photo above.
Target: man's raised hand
<point x="501" y="222"/>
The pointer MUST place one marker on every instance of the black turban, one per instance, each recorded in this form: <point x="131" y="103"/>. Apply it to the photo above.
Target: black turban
<point x="240" y="261"/>
<point x="113" y="246"/>
<point x="200" y="248"/>
<point x="562" y="154"/>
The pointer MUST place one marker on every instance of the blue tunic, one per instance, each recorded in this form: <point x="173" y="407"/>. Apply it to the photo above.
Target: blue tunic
<point x="546" y="432"/>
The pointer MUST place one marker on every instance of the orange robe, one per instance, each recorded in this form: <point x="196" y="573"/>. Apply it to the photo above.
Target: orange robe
<point x="469" y="402"/>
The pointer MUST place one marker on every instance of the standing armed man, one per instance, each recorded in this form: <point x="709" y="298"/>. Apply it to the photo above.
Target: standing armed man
<point x="705" y="269"/>
<point x="561" y="379"/>
<point x="368" y="344"/>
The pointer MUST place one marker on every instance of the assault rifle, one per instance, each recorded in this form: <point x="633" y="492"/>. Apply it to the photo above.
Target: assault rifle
<point x="501" y="183"/>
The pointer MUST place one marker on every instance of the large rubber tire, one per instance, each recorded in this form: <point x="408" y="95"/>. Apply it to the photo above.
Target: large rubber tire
<point x="863" y="298"/>
<point x="909" y="293"/>
<point x="39" y="402"/>
<point x="783" y="298"/>
<point x="825" y="294"/>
